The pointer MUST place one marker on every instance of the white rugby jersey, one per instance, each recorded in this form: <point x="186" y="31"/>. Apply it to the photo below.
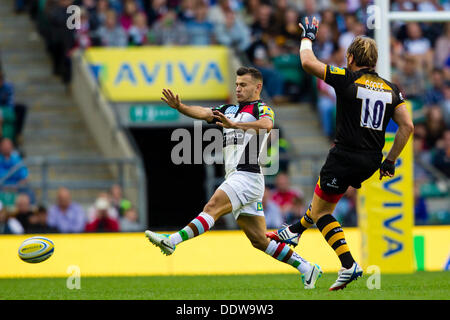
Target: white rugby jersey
<point x="241" y="149"/>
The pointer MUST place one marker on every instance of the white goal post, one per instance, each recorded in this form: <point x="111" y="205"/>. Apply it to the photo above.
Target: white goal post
<point x="383" y="30"/>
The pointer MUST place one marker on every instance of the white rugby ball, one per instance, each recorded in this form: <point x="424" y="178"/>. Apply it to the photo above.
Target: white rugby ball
<point x="36" y="249"/>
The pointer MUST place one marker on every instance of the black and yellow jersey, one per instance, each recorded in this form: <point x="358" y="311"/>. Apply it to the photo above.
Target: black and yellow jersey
<point x="365" y="103"/>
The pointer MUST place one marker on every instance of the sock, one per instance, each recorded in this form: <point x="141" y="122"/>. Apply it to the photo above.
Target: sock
<point x="333" y="234"/>
<point x="196" y="227"/>
<point x="304" y="223"/>
<point x="283" y="253"/>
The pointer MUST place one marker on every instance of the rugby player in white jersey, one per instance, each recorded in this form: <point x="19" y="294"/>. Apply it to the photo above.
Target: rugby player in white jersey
<point x="242" y="191"/>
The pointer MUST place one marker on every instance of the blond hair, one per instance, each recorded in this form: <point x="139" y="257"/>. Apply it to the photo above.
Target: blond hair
<point x="364" y="51"/>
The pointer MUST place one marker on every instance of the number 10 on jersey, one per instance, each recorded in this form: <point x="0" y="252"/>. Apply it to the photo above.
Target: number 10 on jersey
<point x="373" y="107"/>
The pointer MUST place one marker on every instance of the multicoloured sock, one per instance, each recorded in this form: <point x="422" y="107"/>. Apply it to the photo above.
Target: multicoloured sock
<point x="284" y="253"/>
<point x="196" y="227"/>
<point x="304" y="223"/>
<point x="333" y="234"/>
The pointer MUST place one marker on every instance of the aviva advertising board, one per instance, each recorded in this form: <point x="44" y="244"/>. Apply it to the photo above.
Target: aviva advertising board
<point x="139" y="74"/>
<point x="385" y="214"/>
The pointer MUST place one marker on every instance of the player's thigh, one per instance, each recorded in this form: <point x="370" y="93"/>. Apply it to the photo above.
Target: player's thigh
<point x="254" y="228"/>
<point x="218" y="205"/>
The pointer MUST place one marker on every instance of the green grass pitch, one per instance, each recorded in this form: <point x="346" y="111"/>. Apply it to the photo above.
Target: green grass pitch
<point x="420" y="285"/>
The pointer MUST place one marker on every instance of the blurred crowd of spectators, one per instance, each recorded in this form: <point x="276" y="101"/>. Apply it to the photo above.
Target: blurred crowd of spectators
<point x="110" y="212"/>
<point x="266" y="34"/>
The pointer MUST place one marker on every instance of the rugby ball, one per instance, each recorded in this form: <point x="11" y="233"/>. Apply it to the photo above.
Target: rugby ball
<point x="36" y="249"/>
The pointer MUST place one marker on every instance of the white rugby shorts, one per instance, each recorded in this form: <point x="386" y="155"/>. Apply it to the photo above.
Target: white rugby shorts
<point x="245" y="191"/>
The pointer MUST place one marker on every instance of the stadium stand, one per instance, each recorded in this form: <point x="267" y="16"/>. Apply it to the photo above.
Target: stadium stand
<point x="265" y="33"/>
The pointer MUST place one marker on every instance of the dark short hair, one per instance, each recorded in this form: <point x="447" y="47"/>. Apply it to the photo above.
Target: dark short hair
<point x="253" y="72"/>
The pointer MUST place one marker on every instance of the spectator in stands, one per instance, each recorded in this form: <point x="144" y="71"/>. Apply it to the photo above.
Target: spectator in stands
<point x="435" y="93"/>
<point x="262" y="28"/>
<point x="66" y="215"/>
<point x="442" y="45"/>
<point x="118" y="201"/>
<point x="446" y="104"/>
<point x="310" y="10"/>
<point x="188" y="8"/>
<point x="138" y="32"/>
<point x="168" y="30"/>
<point x="326" y="104"/>
<point x="441" y="156"/>
<point x="23" y="210"/>
<point x="296" y="211"/>
<point x="421" y="155"/>
<point x="345" y="211"/>
<point x="111" y="34"/>
<point x="280" y="8"/>
<point x="324" y="45"/>
<point x="9" y="159"/>
<point x="101" y="11"/>
<point x="434" y="124"/>
<point x="102" y="221"/>
<point x="200" y="31"/>
<point x="418" y="46"/>
<point x="91" y="8"/>
<point x="9" y="106"/>
<point x="233" y="33"/>
<point x="37" y="222"/>
<point x="258" y="54"/>
<point x="6" y="92"/>
<point x="354" y="29"/>
<point x="8" y="223"/>
<point x="410" y="79"/>
<point x="129" y="11"/>
<point x="82" y="35"/>
<point x="6" y="99"/>
<point x="341" y="11"/>
<point x="283" y="194"/>
<point x="101" y="199"/>
<point x="329" y="19"/>
<point x="290" y="30"/>
<point x="155" y="10"/>
<point x="217" y="12"/>
<point x="130" y="221"/>
<point x="61" y="39"/>
<point x="250" y="11"/>
<point x="420" y="207"/>
<point x="272" y="211"/>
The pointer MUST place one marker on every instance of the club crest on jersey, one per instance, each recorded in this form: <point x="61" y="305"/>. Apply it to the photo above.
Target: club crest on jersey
<point x="337" y="70"/>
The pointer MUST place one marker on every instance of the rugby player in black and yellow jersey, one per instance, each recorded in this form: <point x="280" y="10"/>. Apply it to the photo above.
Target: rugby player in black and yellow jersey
<point x="365" y="104"/>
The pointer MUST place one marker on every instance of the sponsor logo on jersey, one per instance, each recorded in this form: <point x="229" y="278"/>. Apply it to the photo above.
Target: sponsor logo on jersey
<point x="337" y="70"/>
<point x="259" y="206"/>
<point x="231" y="110"/>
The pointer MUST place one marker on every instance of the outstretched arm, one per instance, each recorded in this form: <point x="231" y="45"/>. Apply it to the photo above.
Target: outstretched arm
<point x="309" y="61"/>
<point x="196" y="112"/>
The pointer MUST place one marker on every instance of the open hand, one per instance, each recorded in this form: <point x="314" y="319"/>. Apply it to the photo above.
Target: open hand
<point x="223" y="121"/>
<point x="171" y="99"/>
<point x="309" y="31"/>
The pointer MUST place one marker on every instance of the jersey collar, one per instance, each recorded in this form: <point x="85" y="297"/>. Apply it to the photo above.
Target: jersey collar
<point x="246" y="103"/>
<point x="367" y="70"/>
